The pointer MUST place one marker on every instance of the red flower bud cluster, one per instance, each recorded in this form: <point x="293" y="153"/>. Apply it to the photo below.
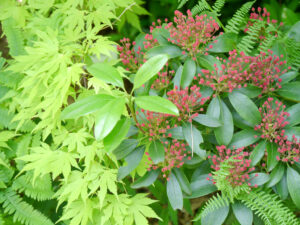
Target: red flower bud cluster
<point x="232" y="74"/>
<point x="289" y="150"/>
<point x="192" y="34"/>
<point x="240" y="165"/>
<point x="134" y="58"/>
<point x="189" y="102"/>
<point x="237" y="71"/>
<point x="262" y="15"/>
<point x="273" y="120"/>
<point x="175" y="154"/>
<point x="163" y="79"/>
<point x="265" y="71"/>
<point x="152" y="124"/>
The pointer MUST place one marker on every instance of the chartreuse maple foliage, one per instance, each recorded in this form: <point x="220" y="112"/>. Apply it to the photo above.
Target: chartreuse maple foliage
<point x="194" y="107"/>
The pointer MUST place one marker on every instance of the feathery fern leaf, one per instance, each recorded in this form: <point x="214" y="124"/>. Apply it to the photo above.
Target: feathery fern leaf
<point x="13" y="36"/>
<point x="269" y="208"/>
<point x="217" y="7"/>
<point x="234" y="24"/>
<point x="200" y="7"/>
<point x="249" y="41"/>
<point x="40" y="190"/>
<point x="21" y="210"/>
<point x="293" y="50"/>
<point x="181" y="3"/>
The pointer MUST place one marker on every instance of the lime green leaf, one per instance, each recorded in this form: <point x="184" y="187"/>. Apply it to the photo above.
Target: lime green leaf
<point x="174" y="192"/>
<point x="243" y="214"/>
<point x="149" y="69"/>
<point x="188" y="73"/>
<point x="117" y="135"/>
<point x="156" y="104"/>
<point x="107" y="117"/>
<point x="86" y="106"/>
<point x="245" y="107"/>
<point x="107" y="73"/>
<point x="293" y="182"/>
<point x="146" y="180"/>
<point x="157" y="151"/>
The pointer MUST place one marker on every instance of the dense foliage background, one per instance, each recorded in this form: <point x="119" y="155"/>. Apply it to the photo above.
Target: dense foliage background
<point x="157" y="112"/>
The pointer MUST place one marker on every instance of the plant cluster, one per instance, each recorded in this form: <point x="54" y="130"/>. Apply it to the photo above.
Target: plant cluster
<point x="193" y="109"/>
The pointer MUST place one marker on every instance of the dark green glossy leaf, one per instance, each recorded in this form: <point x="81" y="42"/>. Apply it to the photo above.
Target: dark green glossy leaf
<point x="157" y="104"/>
<point x="290" y="91"/>
<point x="107" y="73"/>
<point x="174" y="192"/>
<point x="260" y="179"/>
<point x="250" y="91"/>
<point x="157" y="151"/>
<point x="214" y="108"/>
<point x="293" y="182"/>
<point x="244" y="138"/>
<point x="240" y="122"/>
<point x="285" y="78"/>
<point x="258" y="152"/>
<point x="149" y="69"/>
<point x="86" y="106"/>
<point x="224" y="133"/>
<point x="225" y="43"/>
<point x="176" y="133"/>
<point x="125" y="148"/>
<point x="188" y="73"/>
<point x="292" y="131"/>
<point x="183" y="181"/>
<point x="272" y="153"/>
<point x="107" y="117"/>
<point x="276" y="175"/>
<point x="282" y="188"/>
<point x="201" y="187"/>
<point x="133" y="160"/>
<point x="207" y="120"/>
<point x="172" y="51"/>
<point x="208" y="62"/>
<point x="177" y="77"/>
<point x="294" y="112"/>
<point x="216" y="217"/>
<point x="245" y="107"/>
<point x="117" y="135"/>
<point x="243" y="214"/>
<point x="294" y="32"/>
<point x="194" y="138"/>
<point x="146" y="180"/>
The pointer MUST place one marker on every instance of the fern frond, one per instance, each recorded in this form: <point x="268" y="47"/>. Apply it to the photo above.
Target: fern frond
<point x="269" y="208"/>
<point x="21" y="210"/>
<point x="40" y="190"/>
<point x="239" y="18"/>
<point x="217" y="7"/>
<point x="293" y="50"/>
<point x="249" y="41"/>
<point x="13" y="37"/>
<point x="181" y="3"/>
<point x="200" y="7"/>
<point x="212" y="204"/>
